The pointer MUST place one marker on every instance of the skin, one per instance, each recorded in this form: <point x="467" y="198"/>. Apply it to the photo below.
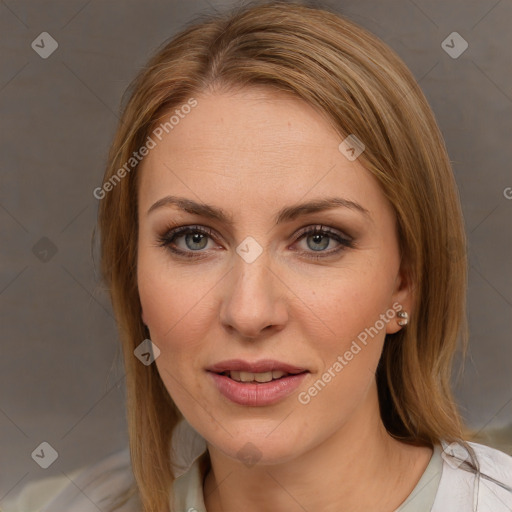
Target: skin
<point x="251" y="153"/>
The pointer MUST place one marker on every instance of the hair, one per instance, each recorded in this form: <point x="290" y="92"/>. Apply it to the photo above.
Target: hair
<point x="361" y="87"/>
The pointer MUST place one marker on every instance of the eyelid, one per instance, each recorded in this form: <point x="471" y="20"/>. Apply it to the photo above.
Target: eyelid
<point x="173" y="225"/>
<point x="344" y="242"/>
<point x="173" y="231"/>
<point x="323" y="229"/>
<point x="177" y="230"/>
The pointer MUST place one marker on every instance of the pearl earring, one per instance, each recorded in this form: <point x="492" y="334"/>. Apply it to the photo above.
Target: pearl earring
<point x="402" y="314"/>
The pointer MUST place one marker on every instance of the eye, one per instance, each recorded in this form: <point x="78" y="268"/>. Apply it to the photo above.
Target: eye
<point x="194" y="237"/>
<point x="319" y="238"/>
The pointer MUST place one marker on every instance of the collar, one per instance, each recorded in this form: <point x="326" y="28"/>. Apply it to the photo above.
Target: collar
<point x="190" y="461"/>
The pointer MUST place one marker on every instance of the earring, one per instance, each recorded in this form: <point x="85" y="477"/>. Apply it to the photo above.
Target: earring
<point x="402" y="314"/>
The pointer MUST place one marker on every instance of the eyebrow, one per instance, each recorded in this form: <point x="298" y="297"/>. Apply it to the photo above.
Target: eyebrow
<point x="286" y="214"/>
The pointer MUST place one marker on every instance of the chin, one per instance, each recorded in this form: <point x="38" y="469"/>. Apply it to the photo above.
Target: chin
<point x="262" y="446"/>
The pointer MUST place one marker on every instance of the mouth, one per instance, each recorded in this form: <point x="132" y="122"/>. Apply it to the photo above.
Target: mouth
<point x="260" y="388"/>
<point x="258" y="378"/>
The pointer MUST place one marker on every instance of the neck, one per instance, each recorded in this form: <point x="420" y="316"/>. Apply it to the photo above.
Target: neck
<point x="360" y="466"/>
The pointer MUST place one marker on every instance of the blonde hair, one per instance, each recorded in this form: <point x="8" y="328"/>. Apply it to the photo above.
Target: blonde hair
<point x="361" y="87"/>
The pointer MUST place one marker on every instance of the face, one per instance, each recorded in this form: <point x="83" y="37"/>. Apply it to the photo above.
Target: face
<point x="243" y="285"/>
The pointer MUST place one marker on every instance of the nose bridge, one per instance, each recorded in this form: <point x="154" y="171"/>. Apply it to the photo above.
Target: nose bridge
<point x="252" y="301"/>
<point x="252" y="269"/>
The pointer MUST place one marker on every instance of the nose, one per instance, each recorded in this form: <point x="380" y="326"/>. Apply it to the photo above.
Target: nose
<point x="254" y="299"/>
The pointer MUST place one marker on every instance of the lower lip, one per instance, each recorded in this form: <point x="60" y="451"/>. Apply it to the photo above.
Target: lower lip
<point x="249" y="393"/>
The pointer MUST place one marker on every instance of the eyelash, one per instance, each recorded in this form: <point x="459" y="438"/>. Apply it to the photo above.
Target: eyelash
<point x="168" y="237"/>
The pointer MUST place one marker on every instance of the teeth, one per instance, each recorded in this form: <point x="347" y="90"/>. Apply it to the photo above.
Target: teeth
<point x="258" y="377"/>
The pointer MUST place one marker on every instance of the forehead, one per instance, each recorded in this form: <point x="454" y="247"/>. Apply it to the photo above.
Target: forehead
<point x="258" y="121"/>
<point x="253" y="144"/>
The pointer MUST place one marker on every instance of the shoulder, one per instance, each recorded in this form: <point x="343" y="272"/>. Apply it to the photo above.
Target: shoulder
<point x="85" y="489"/>
<point x="489" y="488"/>
<point x="494" y="462"/>
<point x="35" y="494"/>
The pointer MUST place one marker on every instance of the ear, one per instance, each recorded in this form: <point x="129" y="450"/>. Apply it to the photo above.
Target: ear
<point x="402" y="299"/>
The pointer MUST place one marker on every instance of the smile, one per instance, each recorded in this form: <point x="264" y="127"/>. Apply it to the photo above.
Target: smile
<point x="256" y="389"/>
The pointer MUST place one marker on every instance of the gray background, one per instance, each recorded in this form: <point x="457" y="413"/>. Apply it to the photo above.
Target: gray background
<point x="61" y="377"/>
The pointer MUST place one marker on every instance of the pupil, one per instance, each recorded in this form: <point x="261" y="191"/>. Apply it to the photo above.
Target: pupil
<point x="317" y="240"/>
<point x="196" y="238"/>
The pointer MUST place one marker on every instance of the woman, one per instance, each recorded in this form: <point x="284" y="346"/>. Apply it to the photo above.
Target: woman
<point x="284" y="246"/>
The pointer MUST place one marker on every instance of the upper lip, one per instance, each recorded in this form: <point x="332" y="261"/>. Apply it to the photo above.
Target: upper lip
<point x="261" y="366"/>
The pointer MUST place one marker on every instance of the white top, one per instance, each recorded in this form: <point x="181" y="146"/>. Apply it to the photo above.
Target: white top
<point x="444" y="486"/>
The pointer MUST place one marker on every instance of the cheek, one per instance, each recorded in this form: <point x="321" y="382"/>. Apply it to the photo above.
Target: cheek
<point x="348" y="341"/>
<point x="344" y="318"/>
<point x="176" y="301"/>
<point x="343" y="309"/>
<point x="173" y="299"/>
<point x="176" y="312"/>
